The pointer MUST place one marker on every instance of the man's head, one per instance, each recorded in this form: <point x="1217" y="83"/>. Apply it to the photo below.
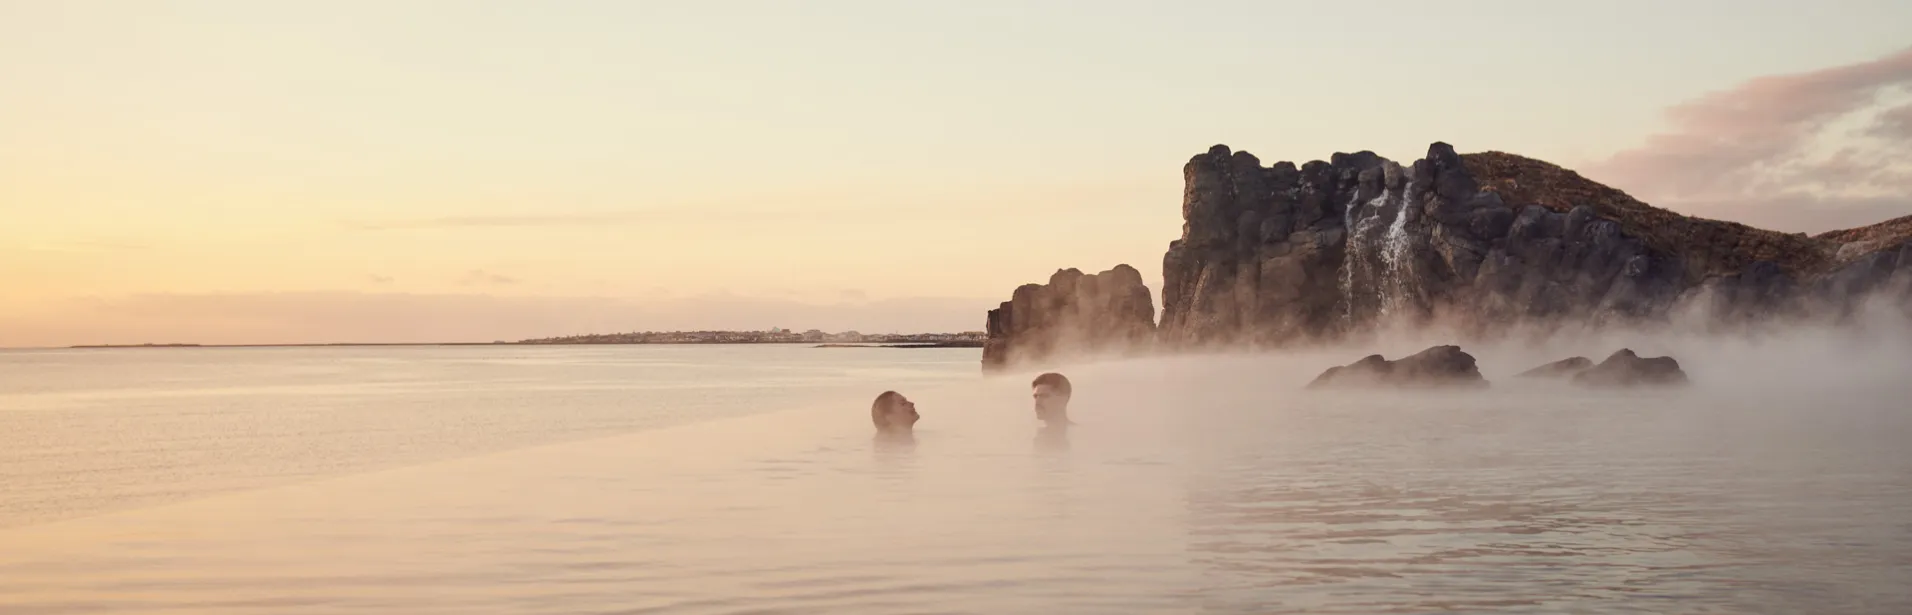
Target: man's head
<point x="892" y="412"/>
<point x="1051" y="391"/>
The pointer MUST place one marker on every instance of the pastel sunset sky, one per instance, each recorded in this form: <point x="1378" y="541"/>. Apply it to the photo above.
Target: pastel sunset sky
<point x="252" y="172"/>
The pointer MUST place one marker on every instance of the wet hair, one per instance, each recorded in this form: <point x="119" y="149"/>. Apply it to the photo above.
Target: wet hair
<point x="880" y="409"/>
<point x="1055" y="380"/>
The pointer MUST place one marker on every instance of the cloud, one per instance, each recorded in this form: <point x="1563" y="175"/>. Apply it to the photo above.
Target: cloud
<point x="1895" y="123"/>
<point x="333" y="317"/>
<point x="811" y="294"/>
<point x="495" y="221"/>
<point x="480" y="277"/>
<point x="1807" y="151"/>
<point x="726" y="214"/>
<point x="380" y="279"/>
<point x="872" y="210"/>
<point x="109" y="244"/>
<point x="87" y="245"/>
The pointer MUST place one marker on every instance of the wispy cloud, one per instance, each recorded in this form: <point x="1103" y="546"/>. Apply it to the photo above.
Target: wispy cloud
<point x="794" y="209"/>
<point x="480" y="277"/>
<point x="611" y="218"/>
<point x="1895" y="123"/>
<point x="1808" y="151"/>
<point x="818" y="294"/>
<point x="88" y="245"/>
<point x="496" y="221"/>
<point x="110" y="244"/>
<point x="380" y="279"/>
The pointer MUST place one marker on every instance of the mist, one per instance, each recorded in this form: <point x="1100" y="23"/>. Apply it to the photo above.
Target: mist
<point x="1774" y="483"/>
<point x="1780" y="463"/>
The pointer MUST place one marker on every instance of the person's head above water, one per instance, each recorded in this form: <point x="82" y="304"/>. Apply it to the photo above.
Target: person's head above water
<point x="893" y="413"/>
<point x="1051" y="391"/>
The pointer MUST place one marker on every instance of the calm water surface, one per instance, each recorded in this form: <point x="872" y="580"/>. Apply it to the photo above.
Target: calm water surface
<point x="86" y="431"/>
<point x="622" y="480"/>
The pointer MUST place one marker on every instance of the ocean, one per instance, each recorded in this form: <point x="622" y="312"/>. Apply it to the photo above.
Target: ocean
<point x="744" y="479"/>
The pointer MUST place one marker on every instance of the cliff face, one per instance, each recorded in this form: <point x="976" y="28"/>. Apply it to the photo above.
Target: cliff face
<point x="1283" y="255"/>
<point x="1106" y="313"/>
<point x="1866" y="261"/>
<point x="1274" y="256"/>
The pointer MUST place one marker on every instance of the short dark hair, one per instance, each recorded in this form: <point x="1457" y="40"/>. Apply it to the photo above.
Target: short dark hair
<point x="1059" y="381"/>
<point x="880" y="409"/>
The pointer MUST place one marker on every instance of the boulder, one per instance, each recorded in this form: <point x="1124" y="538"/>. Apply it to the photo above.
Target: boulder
<point x="1440" y="366"/>
<point x="1558" y="369"/>
<point x="1626" y="369"/>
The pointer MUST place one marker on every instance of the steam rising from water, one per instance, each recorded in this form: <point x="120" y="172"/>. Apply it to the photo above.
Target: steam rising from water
<point x="1777" y="483"/>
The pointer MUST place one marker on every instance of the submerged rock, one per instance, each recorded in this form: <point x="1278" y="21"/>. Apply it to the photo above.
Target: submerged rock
<point x="1440" y="366"/>
<point x="1558" y="369"/>
<point x="1626" y="369"/>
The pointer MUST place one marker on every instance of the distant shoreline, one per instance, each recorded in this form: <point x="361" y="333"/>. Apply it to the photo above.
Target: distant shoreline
<point x="951" y="344"/>
<point x="161" y="346"/>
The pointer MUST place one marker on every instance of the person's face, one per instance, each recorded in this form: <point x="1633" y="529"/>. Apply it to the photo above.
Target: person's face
<point x="1049" y="401"/>
<point x="903" y="412"/>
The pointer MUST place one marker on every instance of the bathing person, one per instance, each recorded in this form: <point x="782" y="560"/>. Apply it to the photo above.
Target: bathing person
<point x="894" y="415"/>
<point x="1051" y="391"/>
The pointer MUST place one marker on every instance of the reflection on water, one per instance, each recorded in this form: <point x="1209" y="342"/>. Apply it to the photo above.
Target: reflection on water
<point x="88" y="431"/>
<point x="1466" y="543"/>
<point x="1512" y="501"/>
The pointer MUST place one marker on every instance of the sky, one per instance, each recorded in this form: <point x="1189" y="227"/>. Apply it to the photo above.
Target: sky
<point x="411" y="170"/>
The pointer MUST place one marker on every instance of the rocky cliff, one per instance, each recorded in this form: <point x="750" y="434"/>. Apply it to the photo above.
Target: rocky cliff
<point x="1283" y="255"/>
<point x="1280" y="255"/>
<point x="1106" y="313"/>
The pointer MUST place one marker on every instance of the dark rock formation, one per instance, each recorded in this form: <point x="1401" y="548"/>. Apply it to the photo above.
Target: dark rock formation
<point x="1558" y="369"/>
<point x="1489" y="244"/>
<point x="1440" y="366"/>
<point x="1280" y="255"/>
<point x="1106" y="313"/>
<point x="1870" y="262"/>
<point x="1626" y="369"/>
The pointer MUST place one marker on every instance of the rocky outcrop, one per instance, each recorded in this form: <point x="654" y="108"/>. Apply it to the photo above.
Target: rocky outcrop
<point x="1440" y="366"/>
<point x="1284" y="254"/>
<point x="1106" y="313"/>
<point x="1626" y="369"/>
<point x="1558" y="369"/>
<point x="1868" y="262"/>
<point x="1487" y="244"/>
<point x="1869" y="238"/>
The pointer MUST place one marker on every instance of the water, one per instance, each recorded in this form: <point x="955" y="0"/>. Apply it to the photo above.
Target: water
<point x="86" y="431"/>
<point x="1190" y="486"/>
<point x="1357" y="270"/>
<point x="1370" y="241"/>
<point x="1396" y="252"/>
